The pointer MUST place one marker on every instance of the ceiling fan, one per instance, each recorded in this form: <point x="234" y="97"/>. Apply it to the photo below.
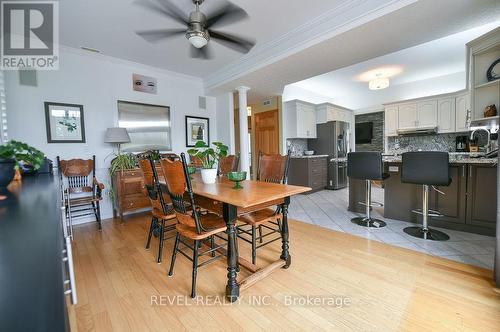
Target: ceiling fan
<point x="199" y="30"/>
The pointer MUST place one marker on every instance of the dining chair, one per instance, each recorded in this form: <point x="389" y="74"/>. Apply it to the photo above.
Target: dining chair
<point x="82" y="192"/>
<point x="163" y="217"/>
<point x="228" y="164"/>
<point x="270" y="168"/>
<point x="195" y="161"/>
<point x="192" y="225"/>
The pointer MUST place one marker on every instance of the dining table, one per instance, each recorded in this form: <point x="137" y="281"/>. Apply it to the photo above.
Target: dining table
<point x="221" y="198"/>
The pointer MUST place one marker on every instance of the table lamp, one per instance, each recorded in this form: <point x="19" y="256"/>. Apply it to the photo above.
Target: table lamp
<point x="117" y="136"/>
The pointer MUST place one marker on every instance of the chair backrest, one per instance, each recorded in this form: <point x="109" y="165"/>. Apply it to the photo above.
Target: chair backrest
<point x="426" y="167"/>
<point x="228" y="164"/>
<point x="365" y="165"/>
<point x="77" y="174"/>
<point x="273" y="168"/>
<point x="196" y="161"/>
<point x="179" y="186"/>
<point x="159" y="200"/>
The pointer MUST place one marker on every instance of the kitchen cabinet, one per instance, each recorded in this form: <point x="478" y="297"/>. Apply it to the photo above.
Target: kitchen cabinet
<point x="462" y="111"/>
<point x="308" y="172"/>
<point x="407" y="116"/>
<point x="452" y="203"/>
<point x="482" y="196"/>
<point x="391" y="121"/>
<point x="327" y="112"/>
<point x="427" y="113"/>
<point x="300" y="119"/>
<point x="446" y="115"/>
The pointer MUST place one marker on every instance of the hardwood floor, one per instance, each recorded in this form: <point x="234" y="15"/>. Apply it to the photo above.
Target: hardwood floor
<point x="382" y="288"/>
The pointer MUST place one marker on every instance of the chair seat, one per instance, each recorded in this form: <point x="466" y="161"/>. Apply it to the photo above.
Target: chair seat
<point x="84" y="200"/>
<point x="160" y="215"/>
<point x="260" y="216"/>
<point x="211" y="222"/>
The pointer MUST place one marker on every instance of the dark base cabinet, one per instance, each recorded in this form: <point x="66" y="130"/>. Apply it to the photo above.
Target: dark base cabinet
<point x="308" y="172"/>
<point x="469" y="203"/>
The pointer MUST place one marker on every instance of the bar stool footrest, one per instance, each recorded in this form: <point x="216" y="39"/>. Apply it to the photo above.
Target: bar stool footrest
<point x="373" y="204"/>
<point x="432" y="213"/>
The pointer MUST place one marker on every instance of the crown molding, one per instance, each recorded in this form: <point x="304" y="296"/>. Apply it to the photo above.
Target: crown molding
<point x="344" y="17"/>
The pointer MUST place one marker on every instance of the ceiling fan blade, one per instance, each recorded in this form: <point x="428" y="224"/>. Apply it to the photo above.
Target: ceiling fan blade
<point x="166" y="8"/>
<point x="226" y="14"/>
<point x="204" y="53"/>
<point x="156" y="35"/>
<point x="234" y="42"/>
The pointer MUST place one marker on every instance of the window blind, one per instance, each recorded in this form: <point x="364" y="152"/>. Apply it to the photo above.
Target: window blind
<point x="3" y="111"/>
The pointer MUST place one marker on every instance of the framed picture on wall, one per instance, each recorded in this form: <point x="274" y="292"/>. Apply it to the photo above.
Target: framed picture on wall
<point x="64" y="123"/>
<point x="197" y="129"/>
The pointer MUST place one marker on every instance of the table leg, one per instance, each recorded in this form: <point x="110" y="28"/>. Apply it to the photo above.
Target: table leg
<point x="229" y="213"/>
<point x="285" y="255"/>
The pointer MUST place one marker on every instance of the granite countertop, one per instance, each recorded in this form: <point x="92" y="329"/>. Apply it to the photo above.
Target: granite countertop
<point x="313" y="156"/>
<point x="453" y="160"/>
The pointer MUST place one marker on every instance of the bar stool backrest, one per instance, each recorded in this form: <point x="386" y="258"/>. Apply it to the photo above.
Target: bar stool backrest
<point x="426" y="168"/>
<point x="365" y="165"/>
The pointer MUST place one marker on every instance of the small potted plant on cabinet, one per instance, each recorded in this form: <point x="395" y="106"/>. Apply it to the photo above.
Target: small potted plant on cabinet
<point x="209" y="158"/>
<point x="14" y="154"/>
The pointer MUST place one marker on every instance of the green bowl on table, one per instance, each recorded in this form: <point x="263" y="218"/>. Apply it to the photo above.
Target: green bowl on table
<point x="191" y="170"/>
<point x="237" y="177"/>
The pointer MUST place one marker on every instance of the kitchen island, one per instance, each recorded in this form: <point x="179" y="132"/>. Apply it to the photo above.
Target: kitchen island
<point x="468" y="204"/>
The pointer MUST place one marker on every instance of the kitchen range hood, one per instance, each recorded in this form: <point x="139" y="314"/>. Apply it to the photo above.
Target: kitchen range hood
<point x="417" y="131"/>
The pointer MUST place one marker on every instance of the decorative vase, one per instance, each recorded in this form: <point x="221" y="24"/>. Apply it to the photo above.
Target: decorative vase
<point x="208" y="175"/>
<point x="7" y="171"/>
<point x="490" y="110"/>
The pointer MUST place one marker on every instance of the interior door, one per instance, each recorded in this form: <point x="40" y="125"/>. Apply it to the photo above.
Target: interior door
<point x="267" y="132"/>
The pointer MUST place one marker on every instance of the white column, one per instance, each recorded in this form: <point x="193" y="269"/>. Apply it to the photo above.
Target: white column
<point x="244" y="151"/>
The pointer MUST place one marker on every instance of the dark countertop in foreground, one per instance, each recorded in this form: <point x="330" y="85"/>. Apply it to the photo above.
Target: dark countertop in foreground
<point x="31" y="267"/>
<point x="453" y="160"/>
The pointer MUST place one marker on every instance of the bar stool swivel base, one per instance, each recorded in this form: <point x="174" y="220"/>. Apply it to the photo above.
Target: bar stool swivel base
<point x="426" y="234"/>
<point x="368" y="222"/>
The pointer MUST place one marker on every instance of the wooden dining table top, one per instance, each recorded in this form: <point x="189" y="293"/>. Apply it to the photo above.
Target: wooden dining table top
<point x="253" y="192"/>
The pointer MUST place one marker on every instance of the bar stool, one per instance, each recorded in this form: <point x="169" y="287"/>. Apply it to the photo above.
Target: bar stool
<point x="367" y="166"/>
<point x="428" y="168"/>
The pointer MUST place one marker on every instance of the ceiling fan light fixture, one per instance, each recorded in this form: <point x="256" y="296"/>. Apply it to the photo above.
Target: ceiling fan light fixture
<point x="197" y="39"/>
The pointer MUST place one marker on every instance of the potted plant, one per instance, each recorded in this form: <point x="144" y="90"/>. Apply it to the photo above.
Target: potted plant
<point x="121" y="162"/>
<point x="14" y="154"/>
<point x="209" y="158"/>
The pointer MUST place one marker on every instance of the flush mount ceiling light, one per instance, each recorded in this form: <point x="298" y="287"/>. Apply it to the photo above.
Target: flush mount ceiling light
<point x="379" y="83"/>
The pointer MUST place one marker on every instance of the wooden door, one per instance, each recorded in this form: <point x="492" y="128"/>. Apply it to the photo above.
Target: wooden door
<point x="266" y="132"/>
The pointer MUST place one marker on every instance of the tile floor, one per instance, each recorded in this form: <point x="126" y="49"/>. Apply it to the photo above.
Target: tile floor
<point x="328" y="208"/>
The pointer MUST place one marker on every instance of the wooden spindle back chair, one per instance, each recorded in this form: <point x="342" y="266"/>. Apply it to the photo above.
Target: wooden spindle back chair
<point x="228" y="164"/>
<point x="192" y="224"/>
<point x="163" y="218"/>
<point x="271" y="168"/>
<point x="82" y="191"/>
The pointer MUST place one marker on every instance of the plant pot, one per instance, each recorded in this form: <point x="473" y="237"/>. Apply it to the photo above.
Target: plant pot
<point x="208" y="175"/>
<point x="7" y="171"/>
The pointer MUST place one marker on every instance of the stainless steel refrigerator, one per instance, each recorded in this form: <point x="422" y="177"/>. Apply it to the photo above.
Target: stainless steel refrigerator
<point x="333" y="140"/>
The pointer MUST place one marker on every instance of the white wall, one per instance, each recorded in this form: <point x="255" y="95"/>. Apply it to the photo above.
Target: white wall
<point x="97" y="82"/>
<point x="225" y="120"/>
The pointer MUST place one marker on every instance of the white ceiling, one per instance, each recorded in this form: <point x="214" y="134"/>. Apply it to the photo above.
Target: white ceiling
<point x="431" y="61"/>
<point x="414" y="24"/>
<point x="109" y="25"/>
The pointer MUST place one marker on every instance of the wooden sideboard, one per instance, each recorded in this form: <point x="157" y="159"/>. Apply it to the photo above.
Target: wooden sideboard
<point x="128" y="192"/>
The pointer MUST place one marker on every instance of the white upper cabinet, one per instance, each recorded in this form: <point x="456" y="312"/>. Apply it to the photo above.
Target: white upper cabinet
<point x="427" y="113"/>
<point x="328" y="112"/>
<point x="391" y="121"/>
<point x="300" y="119"/>
<point x="463" y="113"/>
<point x="446" y="115"/>
<point x="407" y="116"/>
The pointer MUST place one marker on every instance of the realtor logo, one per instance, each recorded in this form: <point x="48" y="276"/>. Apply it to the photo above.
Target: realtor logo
<point x="29" y="35"/>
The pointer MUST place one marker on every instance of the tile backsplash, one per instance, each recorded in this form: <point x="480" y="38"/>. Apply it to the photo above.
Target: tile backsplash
<point x="439" y="142"/>
<point x="296" y="145"/>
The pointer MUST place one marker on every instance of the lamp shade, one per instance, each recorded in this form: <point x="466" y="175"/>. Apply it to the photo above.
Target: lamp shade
<point x="116" y="135"/>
